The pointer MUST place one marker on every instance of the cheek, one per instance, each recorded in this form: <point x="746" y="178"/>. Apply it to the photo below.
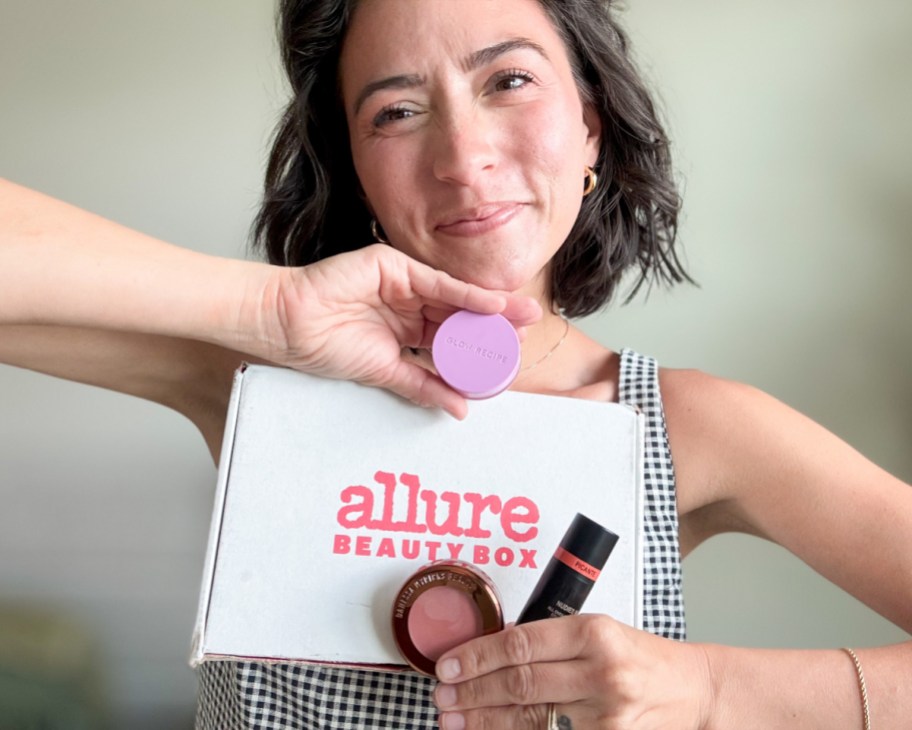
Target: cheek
<point x="391" y="179"/>
<point x="387" y="177"/>
<point x="559" y="146"/>
<point x="554" y="141"/>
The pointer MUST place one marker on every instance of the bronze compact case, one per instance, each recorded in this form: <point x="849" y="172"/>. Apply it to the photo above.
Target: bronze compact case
<point x="444" y="604"/>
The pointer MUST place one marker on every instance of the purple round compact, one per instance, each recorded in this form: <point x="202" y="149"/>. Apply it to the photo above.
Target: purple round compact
<point x="476" y="354"/>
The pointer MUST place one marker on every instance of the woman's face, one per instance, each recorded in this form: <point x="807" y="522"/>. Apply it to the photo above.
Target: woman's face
<point x="468" y="134"/>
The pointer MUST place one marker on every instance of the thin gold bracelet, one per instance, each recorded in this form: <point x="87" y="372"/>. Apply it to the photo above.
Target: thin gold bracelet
<point x="862" y="686"/>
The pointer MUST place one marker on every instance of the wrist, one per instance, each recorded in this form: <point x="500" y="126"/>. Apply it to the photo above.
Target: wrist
<point x="708" y="709"/>
<point x="247" y="314"/>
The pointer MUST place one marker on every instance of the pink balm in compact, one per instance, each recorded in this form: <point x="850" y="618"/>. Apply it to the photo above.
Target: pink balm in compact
<point x="476" y="354"/>
<point x="444" y="604"/>
<point x="441" y="619"/>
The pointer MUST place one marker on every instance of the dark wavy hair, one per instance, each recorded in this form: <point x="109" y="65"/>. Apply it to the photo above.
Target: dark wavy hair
<point x="313" y="206"/>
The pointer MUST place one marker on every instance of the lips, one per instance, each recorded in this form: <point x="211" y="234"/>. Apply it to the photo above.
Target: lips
<point x="479" y="219"/>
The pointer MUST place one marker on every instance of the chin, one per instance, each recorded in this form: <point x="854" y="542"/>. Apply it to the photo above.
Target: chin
<point x="502" y="266"/>
<point x="501" y="278"/>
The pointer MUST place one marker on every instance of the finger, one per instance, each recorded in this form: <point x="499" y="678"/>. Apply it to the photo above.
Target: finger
<point x="437" y="315"/>
<point x="438" y="286"/>
<point x="529" y="717"/>
<point x="551" y="640"/>
<point x="522" y="311"/>
<point x="527" y="684"/>
<point x="423" y="388"/>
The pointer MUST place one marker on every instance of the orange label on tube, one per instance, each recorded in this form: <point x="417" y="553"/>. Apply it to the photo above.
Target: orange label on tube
<point x="580" y="566"/>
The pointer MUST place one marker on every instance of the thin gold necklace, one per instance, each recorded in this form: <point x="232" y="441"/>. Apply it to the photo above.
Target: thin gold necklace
<point x="551" y="351"/>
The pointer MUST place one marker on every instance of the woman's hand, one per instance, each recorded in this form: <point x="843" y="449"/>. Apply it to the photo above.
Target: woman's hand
<point x="598" y="672"/>
<point x="351" y="315"/>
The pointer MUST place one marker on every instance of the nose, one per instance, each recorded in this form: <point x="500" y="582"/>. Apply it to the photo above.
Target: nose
<point x="464" y="147"/>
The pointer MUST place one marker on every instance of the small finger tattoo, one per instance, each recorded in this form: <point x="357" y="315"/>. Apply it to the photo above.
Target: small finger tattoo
<point x="563" y="723"/>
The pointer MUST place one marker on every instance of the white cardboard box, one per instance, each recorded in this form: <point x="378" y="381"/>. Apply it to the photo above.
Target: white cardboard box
<point x="323" y="490"/>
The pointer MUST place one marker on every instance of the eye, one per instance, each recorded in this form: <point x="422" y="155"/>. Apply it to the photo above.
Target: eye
<point x="511" y="80"/>
<point x="393" y="113"/>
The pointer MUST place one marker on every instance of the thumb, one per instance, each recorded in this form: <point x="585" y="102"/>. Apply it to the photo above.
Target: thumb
<point x="422" y="387"/>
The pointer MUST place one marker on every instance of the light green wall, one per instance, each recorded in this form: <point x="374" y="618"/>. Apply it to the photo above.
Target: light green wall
<point x="790" y="121"/>
<point x="791" y="126"/>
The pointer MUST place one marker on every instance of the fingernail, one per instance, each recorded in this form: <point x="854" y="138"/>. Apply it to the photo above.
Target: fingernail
<point x="453" y="721"/>
<point x="445" y="696"/>
<point x="448" y="669"/>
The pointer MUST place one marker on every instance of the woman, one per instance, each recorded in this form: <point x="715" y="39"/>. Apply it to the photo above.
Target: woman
<point x="470" y="127"/>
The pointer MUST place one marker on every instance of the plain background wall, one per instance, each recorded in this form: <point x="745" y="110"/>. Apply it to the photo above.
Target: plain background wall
<point x="790" y="122"/>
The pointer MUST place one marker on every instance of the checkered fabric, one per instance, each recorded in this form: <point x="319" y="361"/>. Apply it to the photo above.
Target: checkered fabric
<point x="248" y="695"/>
<point x="663" y="601"/>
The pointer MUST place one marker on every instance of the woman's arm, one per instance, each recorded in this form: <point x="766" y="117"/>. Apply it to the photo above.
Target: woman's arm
<point x="187" y="313"/>
<point x="746" y="462"/>
<point x="60" y="265"/>
<point x="743" y="462"/>
<point x="191" y="377"/>
<point x="603" y="674"/>
<point x="80" y="298"/>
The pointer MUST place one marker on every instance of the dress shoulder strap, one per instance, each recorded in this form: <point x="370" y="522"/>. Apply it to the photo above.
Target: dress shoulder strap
<point x="663" y="600"/>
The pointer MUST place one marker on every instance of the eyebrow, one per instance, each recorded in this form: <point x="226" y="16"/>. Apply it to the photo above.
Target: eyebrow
<point x="403" y="81"/>
<point x="486" y="55"/>
<point x="475" y="60"/>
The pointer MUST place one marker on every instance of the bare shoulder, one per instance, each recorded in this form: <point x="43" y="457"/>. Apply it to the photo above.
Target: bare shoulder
<point x="702" y="411"/>
<point x="729" y="442"/>
<point x="700" y="406"/>
<point x="705" y="416"/>
<point x="727" y="436"/>
<point x="746" y="462"/>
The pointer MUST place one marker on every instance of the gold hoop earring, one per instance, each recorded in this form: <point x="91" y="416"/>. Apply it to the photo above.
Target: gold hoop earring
<point x="591" y="181"/>
<point x="375" y="232"/>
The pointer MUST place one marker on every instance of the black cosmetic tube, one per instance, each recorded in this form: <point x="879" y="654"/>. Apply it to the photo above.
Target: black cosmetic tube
<point x="571" y="573"/>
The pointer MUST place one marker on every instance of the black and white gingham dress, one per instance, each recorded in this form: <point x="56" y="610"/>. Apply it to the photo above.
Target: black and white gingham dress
<point x="246" y="695"/>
